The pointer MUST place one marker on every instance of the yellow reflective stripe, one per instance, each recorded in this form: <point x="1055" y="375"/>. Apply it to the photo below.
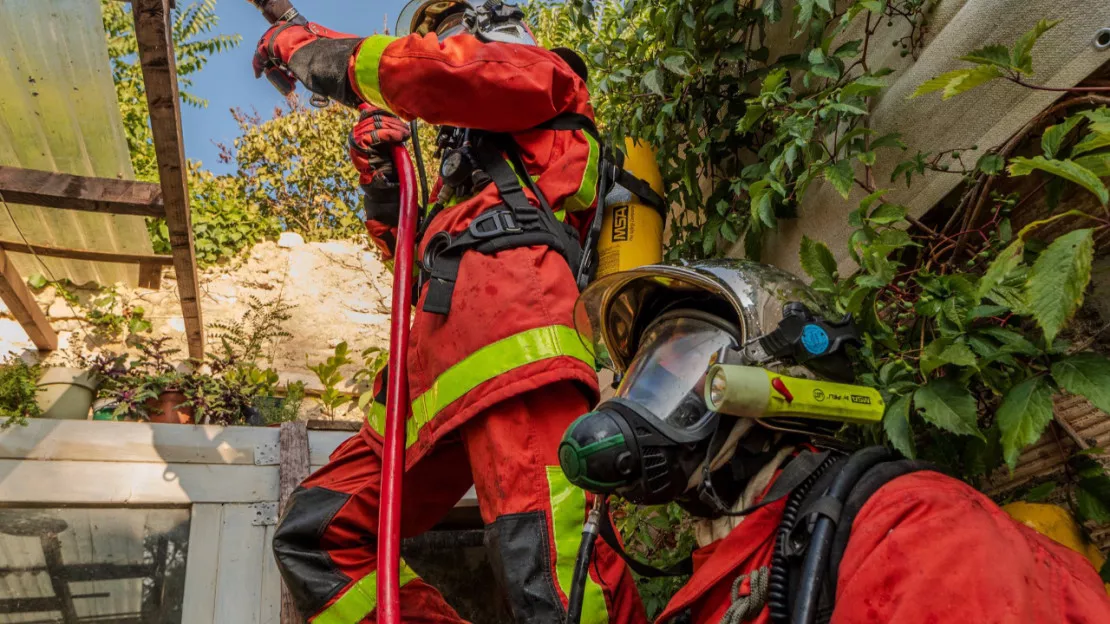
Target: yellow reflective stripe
<point x="360" y="599"/>
<point x="481" y="366"/>
<point x="568" y="514"/>
<point x="367" y="58"/>
<point x="490" y="361"/>
<point x="561" y="214"/>
<point x="584" y="197"/>
<point x="376" y="417"/>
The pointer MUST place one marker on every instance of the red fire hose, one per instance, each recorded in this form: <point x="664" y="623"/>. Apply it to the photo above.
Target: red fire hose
<point x="397" y="398"/>
<point x="397" y="401"/>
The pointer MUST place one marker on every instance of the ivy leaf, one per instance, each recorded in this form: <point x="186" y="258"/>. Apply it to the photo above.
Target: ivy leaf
<point x="829" y="69"/>
<point x="998" y="55"/>
<point x="1098" y="164"/>
<point x="886" y="214"/>
<point x="991" y="164"/>
<point x="1022" y="416"/>
<point x="943" y="351"/>
<point x="948" y="405"/>
<point x="818" y="262"/>
<point x="896" y="424"/>
<point x="653" y="81"/>
<point x="1090" y="143"/>
<point x="1067" y="169"/>
<point x="37" y="281"/>
<point x="1054" y="136"/>
<point x="893" y="139"/>
<point x="1094" y="498"/>
<point x="1087" y="375"/>
<point x="1040" y="493"/>
<point x="958" y="81"/>
<point x="1058" y="279"/>
<point x="1020" y="57"/>
<point x="841" y="176"/>
<point x="1003" y="265"/>
<point x="773" y="10"/>
<point x="676" y="64"/>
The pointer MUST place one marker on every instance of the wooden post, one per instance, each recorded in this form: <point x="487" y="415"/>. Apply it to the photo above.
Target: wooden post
<point x="293" y="468"/>
<point x="160" y="78"/>
<point x="23" y="306"/>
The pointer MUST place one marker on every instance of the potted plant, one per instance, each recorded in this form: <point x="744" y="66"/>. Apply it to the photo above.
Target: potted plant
<point x="67" y="393"/>
<point x="18" y="392"/>
<point x="150" y="387"/>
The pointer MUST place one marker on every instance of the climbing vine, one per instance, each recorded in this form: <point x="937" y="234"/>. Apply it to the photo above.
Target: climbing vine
<point x="967" y="318"/>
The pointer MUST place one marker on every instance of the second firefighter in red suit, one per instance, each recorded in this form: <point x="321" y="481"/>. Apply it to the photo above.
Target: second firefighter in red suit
<point x="495" y="381"/>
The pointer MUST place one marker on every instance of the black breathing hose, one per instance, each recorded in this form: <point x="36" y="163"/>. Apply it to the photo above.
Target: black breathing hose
<point x="779" y="584"/>
<point x="418" y="156"/>
<point x="824" y="529"/>
<point x="585" y="555"/>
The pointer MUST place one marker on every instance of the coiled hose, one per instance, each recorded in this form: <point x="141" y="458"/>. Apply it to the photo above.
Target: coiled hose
<point x="779" y="586"/>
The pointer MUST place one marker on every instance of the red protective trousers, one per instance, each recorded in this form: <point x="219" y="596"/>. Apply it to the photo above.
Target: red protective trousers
<point x="509" y="455"/>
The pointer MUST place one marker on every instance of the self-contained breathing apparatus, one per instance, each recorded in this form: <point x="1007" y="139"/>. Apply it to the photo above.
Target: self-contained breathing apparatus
<point x="724" y="364"/>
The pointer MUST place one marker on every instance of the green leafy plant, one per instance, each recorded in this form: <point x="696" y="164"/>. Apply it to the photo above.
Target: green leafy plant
<point x="256" y="333"/>
<point x="133" y="384"/>
<point x="741" y="132"/>
<point x="966" y="330"/>
<point x="661" y="536"/>
<point x="190" y="28"/>
<point x="374" y="361"/>
<point x="287" y="409"/>
<point x="295" y="168"/>
<point x="106" y="312"/>
<point x="18" y="392"/>
<point x="330" y="377"/>
<point x="225" y="222"/>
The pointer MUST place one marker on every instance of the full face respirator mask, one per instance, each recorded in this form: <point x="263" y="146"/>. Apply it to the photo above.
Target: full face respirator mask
<point x="645" y="442"/>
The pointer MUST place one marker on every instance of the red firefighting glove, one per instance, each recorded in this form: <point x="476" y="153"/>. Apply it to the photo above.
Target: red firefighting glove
<point x="371" y="147"/>
<point x="309" y="53"/>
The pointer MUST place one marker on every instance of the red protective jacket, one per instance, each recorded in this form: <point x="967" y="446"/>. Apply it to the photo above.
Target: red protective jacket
<point x="925" y="549"/>
<point x="510" y="327"/>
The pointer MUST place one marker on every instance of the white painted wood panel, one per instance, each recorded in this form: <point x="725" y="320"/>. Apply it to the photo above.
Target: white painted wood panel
<point x="204" y="557"/>
<point x="271" y="582"/>
<point x="139" y="442"/>
<point x="322" y="443"/>
<point x="238" y="585"/>
<point x="108" y="483"/>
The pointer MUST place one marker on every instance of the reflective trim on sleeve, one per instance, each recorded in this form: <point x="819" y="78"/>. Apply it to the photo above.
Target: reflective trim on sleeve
<point x="586" y="194"/>
<point x="490" y="361"/>
<point x="568" y="514"/>
<point x="360" y="599"/>
<point x="367" y="58"/>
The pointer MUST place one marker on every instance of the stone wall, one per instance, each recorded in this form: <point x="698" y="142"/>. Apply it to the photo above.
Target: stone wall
<point x="339" y="290"/>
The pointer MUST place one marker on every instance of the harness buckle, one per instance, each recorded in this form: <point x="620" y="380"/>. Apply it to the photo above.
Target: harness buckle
<point x="494" y="223"/>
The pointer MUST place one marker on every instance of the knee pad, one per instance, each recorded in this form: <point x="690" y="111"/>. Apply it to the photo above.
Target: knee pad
<point x="310" y="574"/>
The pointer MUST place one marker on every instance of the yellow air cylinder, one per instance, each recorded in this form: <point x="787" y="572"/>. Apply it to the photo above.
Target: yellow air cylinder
<point x="631" y="231"/>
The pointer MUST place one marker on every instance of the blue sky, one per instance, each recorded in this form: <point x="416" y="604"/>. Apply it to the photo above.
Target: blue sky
<point x="228" y="81"/>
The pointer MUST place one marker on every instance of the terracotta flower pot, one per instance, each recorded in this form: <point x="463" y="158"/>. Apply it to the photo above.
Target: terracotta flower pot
<point x="168" y="408"/>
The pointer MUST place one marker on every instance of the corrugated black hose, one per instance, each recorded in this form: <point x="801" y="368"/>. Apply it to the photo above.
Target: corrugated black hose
<point x="585" y="554"/>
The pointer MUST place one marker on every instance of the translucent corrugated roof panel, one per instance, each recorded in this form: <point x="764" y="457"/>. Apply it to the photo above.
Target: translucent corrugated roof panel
<point x="58" y="112"/>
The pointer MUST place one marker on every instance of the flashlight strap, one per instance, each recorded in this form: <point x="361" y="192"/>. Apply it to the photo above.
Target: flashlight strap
<point x="609" y="534"/>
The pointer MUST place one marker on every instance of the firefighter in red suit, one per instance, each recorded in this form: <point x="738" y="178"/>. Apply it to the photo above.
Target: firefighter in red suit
<point x="908" y="544"/>
<point x="496" y="370"/>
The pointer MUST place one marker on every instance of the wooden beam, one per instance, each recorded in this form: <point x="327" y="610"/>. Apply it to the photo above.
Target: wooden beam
<point x="292" y="469"/>
<point x="62" y="190"/>
<point x="160" y="78"/>
<point x="86" y="254"/>
<point x="14" y="293"/>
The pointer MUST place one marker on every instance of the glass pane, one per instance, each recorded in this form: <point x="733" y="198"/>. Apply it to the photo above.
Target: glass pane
<point x="77" y="566"/>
